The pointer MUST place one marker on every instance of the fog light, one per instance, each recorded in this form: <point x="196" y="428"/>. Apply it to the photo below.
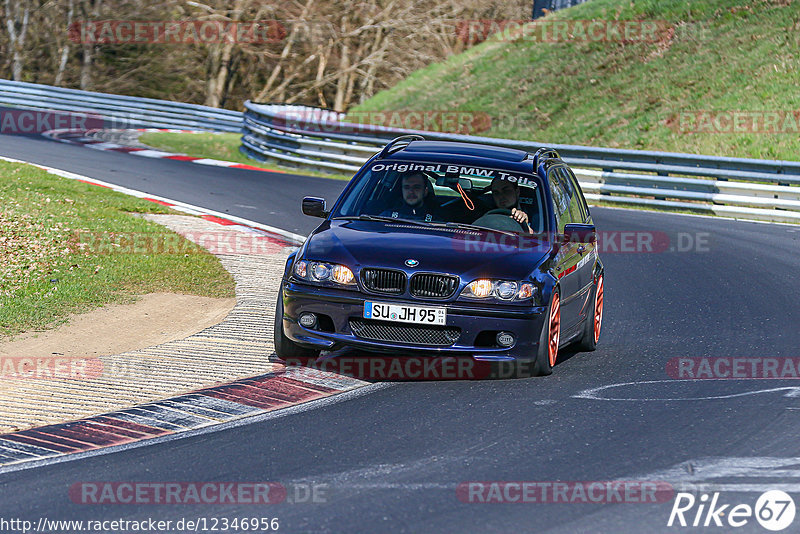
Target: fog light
<point x="505" y="339"/>
<point x="308" y="320"/>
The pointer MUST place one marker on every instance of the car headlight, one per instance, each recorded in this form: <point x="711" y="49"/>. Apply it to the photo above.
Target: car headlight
<point x="318" y="271"/>
<point x="343" y="275"/>
<point x="506" y="290"/>
<point x="499" y="289"/>
<point x="479" y="289"/>
<point x="301" y="269"/>
<point x="321" y="272"/>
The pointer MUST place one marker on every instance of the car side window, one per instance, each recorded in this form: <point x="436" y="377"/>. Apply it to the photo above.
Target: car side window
<point x="560" y="200"/>
<point x="577" y="209"/>
<point x="381" y="194"/>
<point x="363" y="192"/>
<point x="581" y="198"/>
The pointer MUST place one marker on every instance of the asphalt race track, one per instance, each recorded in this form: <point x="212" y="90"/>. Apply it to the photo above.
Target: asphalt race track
<point x="391" y="459"/>
<point x="255" y="195"/>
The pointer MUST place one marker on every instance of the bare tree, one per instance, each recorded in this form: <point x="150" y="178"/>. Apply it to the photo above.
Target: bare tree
<point x="90" y="9"/>
<point x="331" y="52"/>
<point x="17" y="19"/>
<point x="65" y="49"/>
<point x="286" y="52"/>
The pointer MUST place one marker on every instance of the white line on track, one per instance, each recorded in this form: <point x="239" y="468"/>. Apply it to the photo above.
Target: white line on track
<point x="595" y="393"/>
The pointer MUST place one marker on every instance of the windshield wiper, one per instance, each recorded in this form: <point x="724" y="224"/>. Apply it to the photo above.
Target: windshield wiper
<point x="381" y="218"/>
<point x="462" y="226"/>
<point x="466" y="226"/>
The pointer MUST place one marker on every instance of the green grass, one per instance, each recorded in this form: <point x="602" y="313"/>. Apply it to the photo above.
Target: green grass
<point x="46" y="275"/>
<point x="723" y="55"/>
<point x="223" y="146"/>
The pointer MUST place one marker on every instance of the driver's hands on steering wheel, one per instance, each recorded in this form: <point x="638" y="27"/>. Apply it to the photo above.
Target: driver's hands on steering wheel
<point x="521" y="217"/>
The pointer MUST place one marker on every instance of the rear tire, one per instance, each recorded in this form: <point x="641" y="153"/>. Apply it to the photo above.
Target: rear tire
<point x="594" y="320"/>
<point x="285" y="348"/>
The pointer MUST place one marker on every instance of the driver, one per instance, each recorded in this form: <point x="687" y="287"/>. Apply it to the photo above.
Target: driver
<point x="416" y="189"/>
<point x="506" y="196"/>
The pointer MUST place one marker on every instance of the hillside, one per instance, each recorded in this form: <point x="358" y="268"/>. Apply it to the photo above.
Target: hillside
<point x="714" y="56"/>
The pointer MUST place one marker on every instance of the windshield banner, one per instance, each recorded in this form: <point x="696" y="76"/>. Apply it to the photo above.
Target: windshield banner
<point x="443" y="168"/>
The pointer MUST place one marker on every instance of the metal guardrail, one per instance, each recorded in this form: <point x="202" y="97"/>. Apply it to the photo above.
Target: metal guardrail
<point x="118" y="111"/>
<point x="317" y="139"/>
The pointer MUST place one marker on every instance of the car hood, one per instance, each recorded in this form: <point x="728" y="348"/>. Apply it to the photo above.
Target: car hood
<point x="470" y="254"/>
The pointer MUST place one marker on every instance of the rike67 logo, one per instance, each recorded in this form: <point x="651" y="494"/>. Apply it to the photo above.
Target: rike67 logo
<point x="774" y="510"/>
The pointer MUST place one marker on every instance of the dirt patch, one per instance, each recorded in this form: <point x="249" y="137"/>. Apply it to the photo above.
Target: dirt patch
<point x="153" y="319"/>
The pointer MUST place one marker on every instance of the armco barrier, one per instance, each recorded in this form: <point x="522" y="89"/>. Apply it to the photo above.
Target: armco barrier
<point x="119" y="111"/>
<point x="317" y="139"/>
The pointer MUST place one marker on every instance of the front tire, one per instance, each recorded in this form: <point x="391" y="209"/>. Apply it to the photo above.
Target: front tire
<point x="547" y="353"/>
<point x="285" y="348"/>
<point x="594" y="321"/>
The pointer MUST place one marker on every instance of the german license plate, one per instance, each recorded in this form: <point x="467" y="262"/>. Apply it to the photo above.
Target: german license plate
<point x="404" y="314"/>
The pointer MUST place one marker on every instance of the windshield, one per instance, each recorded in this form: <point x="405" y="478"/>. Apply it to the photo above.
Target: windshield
<point x="446" y="193"/>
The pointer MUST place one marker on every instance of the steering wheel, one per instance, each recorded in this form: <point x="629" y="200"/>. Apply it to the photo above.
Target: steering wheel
<point x="507" y="212"/>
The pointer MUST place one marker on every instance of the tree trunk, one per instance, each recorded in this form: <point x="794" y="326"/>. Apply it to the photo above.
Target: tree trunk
<point x="287" y="49"/>
<point x="344" y="66"/>
<point x="323" y="62"/>
<point x="17" y="31"/>
<point x="62" y="64"/>
<point x="378" y="49"/>
<point x="89" y="49"/>
<point x="218" y="76"/>
<point x="86" y="67"/>
<point x="211" y="81"/>
<point x="223" y="75"/>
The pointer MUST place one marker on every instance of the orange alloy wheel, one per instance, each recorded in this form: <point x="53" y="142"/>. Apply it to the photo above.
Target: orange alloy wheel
<point x="555" y="329"/>
<point x="598" y="309"/>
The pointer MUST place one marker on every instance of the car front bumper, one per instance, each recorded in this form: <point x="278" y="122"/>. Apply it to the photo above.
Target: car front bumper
<point x="473" y="321"/>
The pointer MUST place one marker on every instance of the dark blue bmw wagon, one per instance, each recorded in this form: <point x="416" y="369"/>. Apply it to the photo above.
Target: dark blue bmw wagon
<point x="447" y="248"/>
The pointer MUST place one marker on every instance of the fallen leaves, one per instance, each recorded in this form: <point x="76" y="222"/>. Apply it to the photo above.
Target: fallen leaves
<point x="28" y="247"/>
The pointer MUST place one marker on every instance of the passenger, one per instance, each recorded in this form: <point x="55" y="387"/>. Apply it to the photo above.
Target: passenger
<point x="416" y="201"/>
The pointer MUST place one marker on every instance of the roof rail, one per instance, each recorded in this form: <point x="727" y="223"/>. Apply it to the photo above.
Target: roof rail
<point x="543" y="153"/>
<point x="402" y="139"/>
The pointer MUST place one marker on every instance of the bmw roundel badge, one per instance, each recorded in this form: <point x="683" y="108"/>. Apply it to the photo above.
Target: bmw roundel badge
<point x="411" y="262"/>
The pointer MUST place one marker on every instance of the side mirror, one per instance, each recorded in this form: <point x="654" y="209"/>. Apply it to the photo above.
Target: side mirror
<point x="314" y="207"/>
<point x="580" y="233"/>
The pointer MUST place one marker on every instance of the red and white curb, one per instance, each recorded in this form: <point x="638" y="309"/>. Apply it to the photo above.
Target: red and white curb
<point x="189" y="412"/>
<point x="81" y="138"/>
<point x="216" y="407"/>
<point x="245" y="225"/>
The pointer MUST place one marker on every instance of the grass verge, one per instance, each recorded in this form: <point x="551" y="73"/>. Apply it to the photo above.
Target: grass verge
<point x="716" y="56"/>
<point x="223" y="146"/>
<point x="45" y="275"/>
